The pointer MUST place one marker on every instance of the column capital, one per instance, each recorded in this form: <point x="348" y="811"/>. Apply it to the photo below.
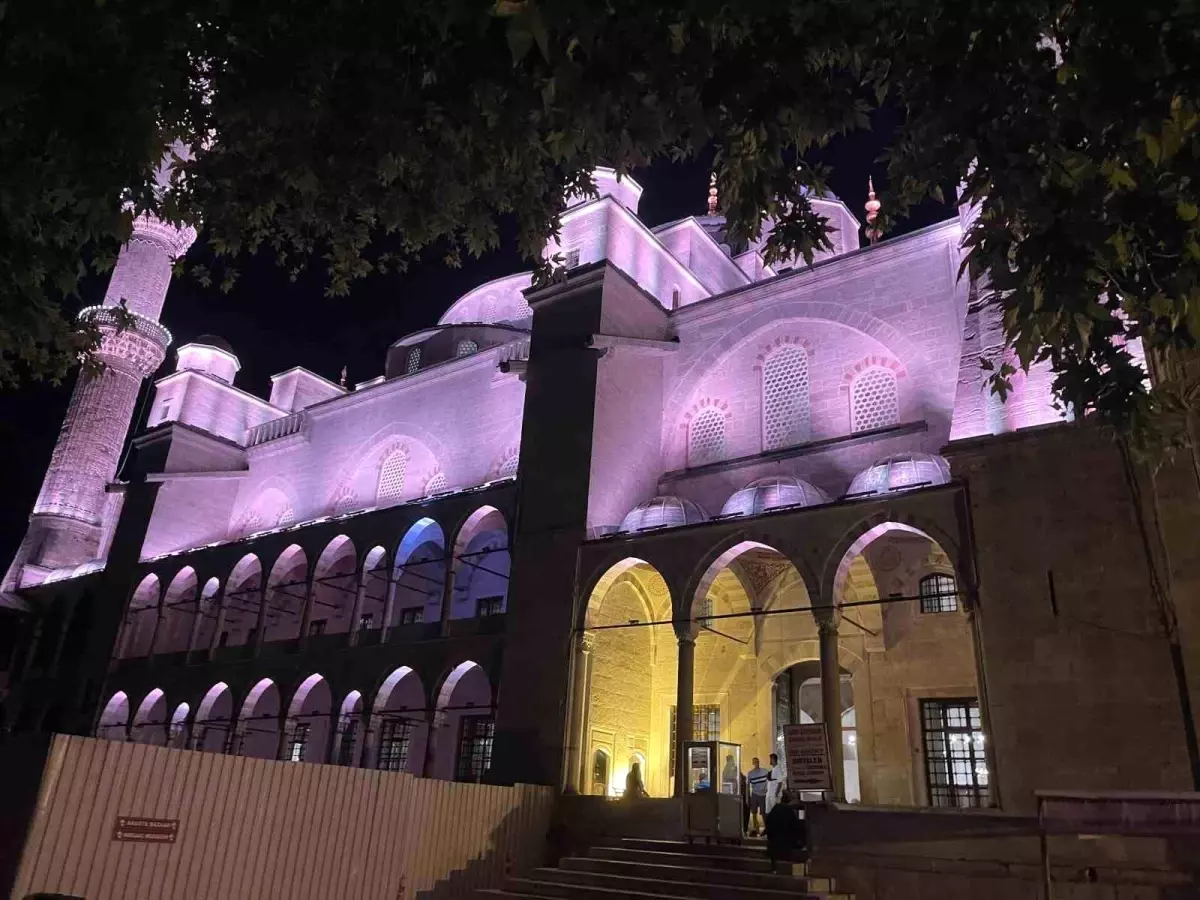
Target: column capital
<point x="587" y="641"/>
<point x="826" y="618"/>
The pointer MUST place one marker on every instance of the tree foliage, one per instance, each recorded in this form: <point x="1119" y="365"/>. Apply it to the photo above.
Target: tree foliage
<point x="324" y="126"/>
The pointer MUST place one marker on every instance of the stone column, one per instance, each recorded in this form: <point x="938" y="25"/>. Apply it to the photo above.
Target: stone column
<point x="366" y="747"/>
<point x="447" y="591"/>
<point x="285" y="735"/>
<point x="260" y="626"/>
<point x="577" y="734"/>
<point x="310" y="588"/>
<point x="831" y="699"/>
<point x="356" y="611"/>
<point x="222" y="605"/>
<point x="197" y="617"/>
<point x="683" y="705"/>
<point x="433" y="722"/>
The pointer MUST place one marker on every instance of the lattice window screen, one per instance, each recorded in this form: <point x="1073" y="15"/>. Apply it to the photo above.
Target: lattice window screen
<point x="391" y="477"/>
<point x="874" y="401"/>
<point x="786" y="417"/>
<point x="466" y="348"/>
<point x="436" y="483"/>
<point x="707" y="438"/>
<point x="413" y="363"/>
<point x="509" y="467"/>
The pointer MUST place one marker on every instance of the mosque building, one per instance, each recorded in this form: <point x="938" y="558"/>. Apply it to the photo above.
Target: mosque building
<point x="675" y="493"/>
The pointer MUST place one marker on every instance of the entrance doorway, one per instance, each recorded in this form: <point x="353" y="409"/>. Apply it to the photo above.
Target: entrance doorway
<point x="797" y="696"/>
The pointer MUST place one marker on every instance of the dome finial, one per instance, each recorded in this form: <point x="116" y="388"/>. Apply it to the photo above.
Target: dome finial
<point x="342" y="380"/>
<point x="872" y="207"/>
<point x="712" y="194"/>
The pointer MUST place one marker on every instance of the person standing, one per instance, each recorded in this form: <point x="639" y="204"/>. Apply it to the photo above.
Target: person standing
<point x="634" y="788"/>
<point x="775" y="786"/>
<point x="758" y="780"/>
<point x="785" y="831"/>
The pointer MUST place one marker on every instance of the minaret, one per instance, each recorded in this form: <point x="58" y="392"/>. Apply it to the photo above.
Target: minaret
<point x="68" y="518"/>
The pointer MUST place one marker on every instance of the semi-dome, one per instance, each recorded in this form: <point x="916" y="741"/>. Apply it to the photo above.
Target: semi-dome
<point x="664" y="511"/>
<point x="773" y="493"/>
<point x="901" y="470"/>
<point x="214" y="340"/>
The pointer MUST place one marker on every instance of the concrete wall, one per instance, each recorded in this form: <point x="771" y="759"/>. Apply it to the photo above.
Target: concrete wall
<point x="260" y="829"/>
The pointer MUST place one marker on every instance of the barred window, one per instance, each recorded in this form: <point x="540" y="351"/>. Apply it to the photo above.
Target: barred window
<point x="466" y="348"/>
<point x="414" y="615"/>
<point x="704" y="610"/>
<point x="391" y="477"/>
<point x="706" y="726"/>
<point x="395" y="739"/>
<point x="600" y="772"/>
<point x="489" y="606"/>
<point x="509" y="467"/>
<point x="476" y="734"/>
<point x="786" y="415"/>
<point x="571" y="258"/>
<point x="345" y="755"/>
<point x="299" y="742"/>
<point x="955" y="761"/>
<point x="874" y="401"/>
<point x="939" y="593"/>
<point x="413" y="362"/>
<point x="707" y="438"/>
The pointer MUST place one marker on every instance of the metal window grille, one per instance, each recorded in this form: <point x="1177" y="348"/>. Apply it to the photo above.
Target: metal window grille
<point x="571" y="258"/>
<point x="476" y="734"/>
<point x="345" y="755"/>
<point x="938" y="593"/>
<point x="509" y="467"/>
<point x="435" y="484"/>
<point x="786" y="414"/>
<point x="299" y="742"/>
<point x="365" y="620"/>
<point x="391" y="477"/>
<point x="317" y="627"/>
<point x="489" y="606"/>
<point x="413" y="361"/>
<point x="706" y="726"/>
<point x="414" y="615"/>
<point x="466" y="348"/>
<point x="875" y="402"/>
<point x="707" y="438"/>
<point x="955" y="762"/>
<point x="395" y="739"/>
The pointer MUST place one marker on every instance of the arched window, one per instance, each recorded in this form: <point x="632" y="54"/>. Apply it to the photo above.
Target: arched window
<point x="874" y="401"/>
<point x="938" y="593"/>
<point x="706" y="438"/>
<point x="466" y="348"/>
<point x="413" y="361"/>
<point x="786" y="416"/>
<point x="509" y="467"/>
<point x="600" y="772"/>
<point x="391" y="477"/>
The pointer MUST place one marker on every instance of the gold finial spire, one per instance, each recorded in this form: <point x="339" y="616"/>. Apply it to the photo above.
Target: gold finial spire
<point x="712" y="194"/>
<point x="343" y="379"/>
<point x="872" y="207"/>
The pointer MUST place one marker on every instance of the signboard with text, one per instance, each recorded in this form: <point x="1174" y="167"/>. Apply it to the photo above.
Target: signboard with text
<point x="146" y="831"/>
<point x="807" y="758"/>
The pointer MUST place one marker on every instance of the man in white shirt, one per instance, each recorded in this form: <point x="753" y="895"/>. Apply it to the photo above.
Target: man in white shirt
<point x="758" y="780"/>
<point x="775" y="784"/>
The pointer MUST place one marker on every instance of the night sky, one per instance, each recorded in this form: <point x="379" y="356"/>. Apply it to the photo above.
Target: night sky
<point x="274" y="324"/>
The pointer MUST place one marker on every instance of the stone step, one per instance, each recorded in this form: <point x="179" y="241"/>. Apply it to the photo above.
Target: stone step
<point x="750" y="847"/>
<point x="664" y="883"/>
<point x="684" y="872"/>
<point x="679" y="858"/>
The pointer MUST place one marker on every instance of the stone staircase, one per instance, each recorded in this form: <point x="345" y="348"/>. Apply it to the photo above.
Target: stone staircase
<point x="668" y="870"/>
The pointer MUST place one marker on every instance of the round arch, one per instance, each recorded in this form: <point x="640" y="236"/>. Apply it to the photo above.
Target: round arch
<point x="481" y="565"/>
<point x="375" y="585"/>
<point x="150" y="720"/>
<point x="309" y="716"/>
<point x="240" y="602"/>
<point x="257" y="733"/>
<point x="419" y="574"/>
<point x="286" y="595"/>
<point x="114" y="719"/>
<point x="210" y="728"/>
<point x="399" y="724"/>
<point x="178" y="612"/>
<point x="334" y="588"/>
<point x="177" y="734"/>
<point x="141" y="618"/>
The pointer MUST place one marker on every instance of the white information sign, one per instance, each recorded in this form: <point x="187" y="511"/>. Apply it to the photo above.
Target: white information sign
<point x="807" y="758"/>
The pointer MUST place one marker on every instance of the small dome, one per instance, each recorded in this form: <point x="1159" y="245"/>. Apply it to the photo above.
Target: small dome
<point x="901" y="470"/>
<point x="662" y="512"/>
<point x="773" y="493"/>
<point x="213" y="340"/>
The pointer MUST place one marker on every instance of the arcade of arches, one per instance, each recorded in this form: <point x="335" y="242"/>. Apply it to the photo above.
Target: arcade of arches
<point x="906" y="695"/>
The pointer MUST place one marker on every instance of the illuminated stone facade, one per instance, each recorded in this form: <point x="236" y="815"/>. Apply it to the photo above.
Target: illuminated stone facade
<point x="676" y="491"/>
